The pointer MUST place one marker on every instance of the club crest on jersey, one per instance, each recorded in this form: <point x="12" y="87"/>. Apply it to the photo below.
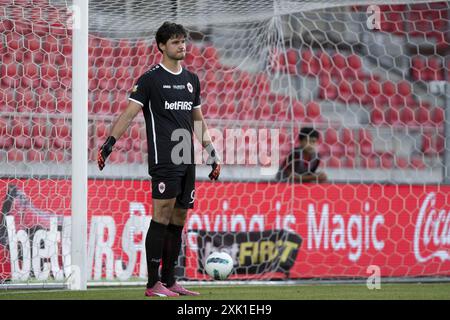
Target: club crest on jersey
<point x="162" y="187"/>
<point x="190" y="88"/>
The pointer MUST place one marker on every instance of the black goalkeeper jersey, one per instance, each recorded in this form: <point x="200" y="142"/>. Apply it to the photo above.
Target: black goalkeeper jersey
<point x="168" y="100"/>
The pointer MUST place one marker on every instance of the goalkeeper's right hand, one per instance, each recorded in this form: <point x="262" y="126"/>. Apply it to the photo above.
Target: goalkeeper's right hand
<point x="214" y="161"/>
<point x="104" y="151"/>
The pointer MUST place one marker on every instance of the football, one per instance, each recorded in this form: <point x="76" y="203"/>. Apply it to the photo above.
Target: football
<point x="219" y="265"/>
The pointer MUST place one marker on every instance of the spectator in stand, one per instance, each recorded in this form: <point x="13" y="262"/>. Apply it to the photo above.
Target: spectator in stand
<point x="302" y="163"/>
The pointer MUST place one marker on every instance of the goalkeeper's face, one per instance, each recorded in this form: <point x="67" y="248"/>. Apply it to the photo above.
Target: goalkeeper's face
<point x="175" y="48"/>
<point x="309" y="144"/>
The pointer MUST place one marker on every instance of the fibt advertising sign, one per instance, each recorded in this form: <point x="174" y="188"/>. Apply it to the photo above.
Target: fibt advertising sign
<point x="272" y="230"/>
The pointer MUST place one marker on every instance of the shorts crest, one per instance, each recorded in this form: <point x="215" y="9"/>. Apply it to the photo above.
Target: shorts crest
<point x="162" y="187"/>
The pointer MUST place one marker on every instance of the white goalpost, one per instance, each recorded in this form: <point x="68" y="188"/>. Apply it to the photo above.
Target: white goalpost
<point x="79" y="270"/>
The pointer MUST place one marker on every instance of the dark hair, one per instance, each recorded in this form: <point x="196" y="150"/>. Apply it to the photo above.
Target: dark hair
<point x="169" y="30"/>
<point x="308" y="132"/>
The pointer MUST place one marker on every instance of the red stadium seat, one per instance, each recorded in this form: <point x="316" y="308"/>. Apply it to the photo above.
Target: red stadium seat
<point x="393" y="116"/>
<point x="339" y="64"/>
<point x="429" y="144"/>
<point x="229" y="111"/>
<point x="392" y="21"/>
<point x="50" y="44"/>
<point x="422" y="116"/>
<point x="418" y="69"/>
<point x="407" y="116"/>
<point x="331" y="144"/>
<point x="313" y="110"/>
<point x="35" y="156"/>
<point x="359" y="92"/>
<point x="435" y="68"/>
<point x="309" y="64"/>
<point x="58" y="156"/>
<point x="354" y="62"/>
<point x="40" y="27"/>
<point x="404" y="88"/>
<point x="348" y="142"/>
<point x="377" y="116"/>
<point x="14" y="41"/>
<point x="26" y="101"/>
<point x="401" y="162"/>
<point x="333" y="162"/>
<point x="345" y="91"/>
<point x="325" y="62"/>
<point x="117" y="157"/>
<point x="211" y="57"/>
<point x="373" y="89"/>
<point x="15" y="155"/>
<point x="389" y="88"/>
<point x="46" y="102"/>
<point x="287" y="61"/>
<point x="7" y="101"/>
<point x="123" y="48"/>
<point x="264" y="112"/>
<point x="6" y="140"/>
<point x="32" y="42"/>
<point x="60" y="134"/>
<point x="365" y="142"/>
<point x="438" y="116"/>
<point x="20" y="130"/>
<point x="369" y="162"/>
<point x="298" y="110"/>
<point x="35" y="13"/>
<point x="39" y="134"/>
<point x="327" y="89"/>
<point x="386" y="161"/>
<point x="417" y="163"/>
<point x="135" y="157"/>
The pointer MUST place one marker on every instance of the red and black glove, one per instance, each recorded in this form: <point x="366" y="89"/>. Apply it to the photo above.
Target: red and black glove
<point x="214" y="161"/>
<point x="104" y="151"/>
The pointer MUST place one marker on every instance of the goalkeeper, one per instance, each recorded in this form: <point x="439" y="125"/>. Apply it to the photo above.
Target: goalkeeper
<point x="169" y="97"/>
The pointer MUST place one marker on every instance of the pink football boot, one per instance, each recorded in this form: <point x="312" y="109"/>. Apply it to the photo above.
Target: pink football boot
<point x="158" y="290"/>
<point x="182" y="291"/>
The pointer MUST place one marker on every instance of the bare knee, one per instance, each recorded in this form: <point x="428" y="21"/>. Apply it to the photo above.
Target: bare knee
<point x="178" y="216"/>
<point x="162" y="210"/>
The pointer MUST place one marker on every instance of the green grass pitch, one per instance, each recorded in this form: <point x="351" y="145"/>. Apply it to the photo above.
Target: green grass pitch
<point x="391" y="291"/>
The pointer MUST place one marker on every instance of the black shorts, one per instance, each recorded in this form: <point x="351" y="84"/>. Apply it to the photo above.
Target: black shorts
<point x="174" y="181"/>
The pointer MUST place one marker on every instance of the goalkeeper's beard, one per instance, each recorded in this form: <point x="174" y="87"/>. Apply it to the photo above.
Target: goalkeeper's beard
<point x="178" y="56"/>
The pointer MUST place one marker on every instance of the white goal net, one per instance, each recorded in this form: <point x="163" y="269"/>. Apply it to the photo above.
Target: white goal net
<point x="369" y="77"/>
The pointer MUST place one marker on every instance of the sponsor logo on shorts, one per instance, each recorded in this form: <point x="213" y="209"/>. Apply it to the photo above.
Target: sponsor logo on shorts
<point x="166" y="86"/>
<point x="189" y="87"/>
<point x="162" y="187"/>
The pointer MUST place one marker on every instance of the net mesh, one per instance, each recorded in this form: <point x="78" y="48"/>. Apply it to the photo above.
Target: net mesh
<point x="372" y="88"/>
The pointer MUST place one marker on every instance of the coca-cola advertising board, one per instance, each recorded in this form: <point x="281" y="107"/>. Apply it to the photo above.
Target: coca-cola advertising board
<point x="338" y="230"/>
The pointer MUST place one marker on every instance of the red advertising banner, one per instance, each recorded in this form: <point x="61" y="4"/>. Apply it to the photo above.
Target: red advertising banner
<point x="338" y="230"/>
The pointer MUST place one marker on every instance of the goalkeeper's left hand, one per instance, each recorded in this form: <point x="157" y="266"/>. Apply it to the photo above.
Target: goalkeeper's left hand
<point x="214" y="161"/>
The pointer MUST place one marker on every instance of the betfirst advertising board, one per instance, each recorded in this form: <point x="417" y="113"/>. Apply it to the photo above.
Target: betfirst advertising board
<point x="271" y="230"/>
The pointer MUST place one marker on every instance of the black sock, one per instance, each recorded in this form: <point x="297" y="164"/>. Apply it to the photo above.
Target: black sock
<point x="171" y="251"/>
<point x="153" y="249"/>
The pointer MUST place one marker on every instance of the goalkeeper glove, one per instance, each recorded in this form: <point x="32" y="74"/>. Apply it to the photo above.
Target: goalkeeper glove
<point x="214" y="161"/>
<point x="104" y="151"/>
